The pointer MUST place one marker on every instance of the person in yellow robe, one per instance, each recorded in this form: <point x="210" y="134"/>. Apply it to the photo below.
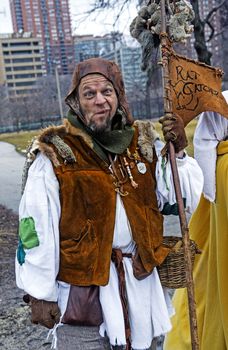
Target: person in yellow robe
<point x="209" y="228"/>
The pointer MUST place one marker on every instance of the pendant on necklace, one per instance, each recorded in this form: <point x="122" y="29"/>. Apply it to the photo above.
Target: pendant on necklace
<point x="141" y="167"/>
<point x="132" y="165"/>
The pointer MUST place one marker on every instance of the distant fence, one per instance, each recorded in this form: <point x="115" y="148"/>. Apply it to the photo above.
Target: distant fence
<point x="34" y="125"/>
<point x="139" y="110"/>
<point x="145" y="110"/>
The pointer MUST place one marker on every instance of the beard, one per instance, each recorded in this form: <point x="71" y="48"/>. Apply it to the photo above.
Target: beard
<point x="99" y="128"/>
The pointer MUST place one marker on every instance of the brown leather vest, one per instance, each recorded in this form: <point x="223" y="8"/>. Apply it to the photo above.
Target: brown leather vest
<point x="88" y="200"/>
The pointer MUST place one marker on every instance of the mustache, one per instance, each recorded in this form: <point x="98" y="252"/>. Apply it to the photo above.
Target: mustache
<point x="103" y="111"/>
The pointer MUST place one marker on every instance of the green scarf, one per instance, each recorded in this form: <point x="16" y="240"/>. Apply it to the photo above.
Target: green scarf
<point x="115" y="141"/>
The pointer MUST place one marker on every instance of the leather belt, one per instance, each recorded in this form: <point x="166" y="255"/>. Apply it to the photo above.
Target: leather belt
<point x="117" y="258"/>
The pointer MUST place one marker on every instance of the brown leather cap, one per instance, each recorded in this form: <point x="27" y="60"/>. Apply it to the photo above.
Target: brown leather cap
<point x="110" y="71"/>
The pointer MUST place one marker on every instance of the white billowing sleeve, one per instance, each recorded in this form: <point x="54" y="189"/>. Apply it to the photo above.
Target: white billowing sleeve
<point x="211" y="129"/>
<point x="191" y="181"/>
<point x="40" y="203"/>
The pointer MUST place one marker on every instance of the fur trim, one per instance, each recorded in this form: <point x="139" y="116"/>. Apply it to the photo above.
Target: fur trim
<point x="42" y="144"/>
<point x="77" y="132"/>
<point x="38" y="146"/>
<point x="49" y="153"/>
<point x="147" y="137"/>
<point x="47" y="133"/>
<point x="32" y="150"/>
<point x="53" y="135"/>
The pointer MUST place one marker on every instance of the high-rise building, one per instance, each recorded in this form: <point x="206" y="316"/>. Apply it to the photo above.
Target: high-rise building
<point x="21" y="63"/>
<point x="135" y="81"/>
<point x="50" y="21"/>
<point x="129" y="61"/>
<point x="88" y="46"/>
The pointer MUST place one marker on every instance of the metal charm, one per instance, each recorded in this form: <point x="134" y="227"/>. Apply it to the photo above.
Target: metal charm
<point x="141" y="167"/>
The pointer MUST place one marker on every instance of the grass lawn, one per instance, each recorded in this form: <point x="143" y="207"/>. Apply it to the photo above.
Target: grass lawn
<point x="22" y="139"/>
<point x="19" y="139"/>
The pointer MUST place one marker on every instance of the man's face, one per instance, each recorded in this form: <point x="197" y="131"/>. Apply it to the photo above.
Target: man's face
<point x="98" y="101"/>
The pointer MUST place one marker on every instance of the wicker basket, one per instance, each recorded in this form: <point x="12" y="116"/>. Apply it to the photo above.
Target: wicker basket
<point x="172" y="271"/>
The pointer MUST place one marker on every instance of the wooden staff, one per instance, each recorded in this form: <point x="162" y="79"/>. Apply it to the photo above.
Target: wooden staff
<point x="165" y="46"/>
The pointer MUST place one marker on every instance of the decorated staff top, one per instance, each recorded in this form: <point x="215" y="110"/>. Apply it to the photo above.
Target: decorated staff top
<point x="146" y="27"/>
<point x="179" y="26"/>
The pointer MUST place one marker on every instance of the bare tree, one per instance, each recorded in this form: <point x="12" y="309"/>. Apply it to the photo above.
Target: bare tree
<point x="4" y="108"/>
<point x="36" y="108"/>
<point x="203" y="53"/>
<point x="224" y="39"/>
<point x="44" y="102"/>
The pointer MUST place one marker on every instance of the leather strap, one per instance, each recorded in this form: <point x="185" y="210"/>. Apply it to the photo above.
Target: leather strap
<point x="117" y="258"/>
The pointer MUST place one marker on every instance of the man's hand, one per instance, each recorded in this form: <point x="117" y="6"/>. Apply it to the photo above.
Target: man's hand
<point x="173" y="130"/>
<point x="44" y="312"/>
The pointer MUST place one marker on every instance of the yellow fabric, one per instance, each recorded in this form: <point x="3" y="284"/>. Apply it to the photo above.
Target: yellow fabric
<point x="222" y="148"/>
<point x="209" y="228"/>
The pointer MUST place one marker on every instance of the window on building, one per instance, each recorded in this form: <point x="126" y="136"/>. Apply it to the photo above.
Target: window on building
<point x="25" y="83"/>
<point x="24" y="76"/>
<point x="23" y="68"/>
<point x="20" y="60"/>
<point x="21" y="52"/>
<point x="23" y="92"/>
<point x="20" y="44"/>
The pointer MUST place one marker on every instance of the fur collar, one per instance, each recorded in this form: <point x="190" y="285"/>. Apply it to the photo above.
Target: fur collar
<point x="54" y="135"/>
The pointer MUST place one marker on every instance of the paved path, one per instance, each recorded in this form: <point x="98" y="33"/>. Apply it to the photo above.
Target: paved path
<point x="11" y="165"/>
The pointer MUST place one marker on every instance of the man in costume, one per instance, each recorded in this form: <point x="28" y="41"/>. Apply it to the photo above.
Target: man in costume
<point x="209" y="228"/>
<point x="90" y="218"/>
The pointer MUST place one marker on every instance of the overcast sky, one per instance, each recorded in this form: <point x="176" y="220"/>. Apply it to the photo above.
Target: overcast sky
<point x="97" y="24"/>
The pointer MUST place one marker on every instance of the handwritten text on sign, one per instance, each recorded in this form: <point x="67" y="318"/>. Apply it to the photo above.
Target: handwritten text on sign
<point x="187" y="85"/>
<point x="195" y="88"/>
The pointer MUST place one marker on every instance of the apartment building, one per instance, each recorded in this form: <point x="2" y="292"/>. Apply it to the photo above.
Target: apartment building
<point x="21" y="63"/>
<point x="50" y="21"/>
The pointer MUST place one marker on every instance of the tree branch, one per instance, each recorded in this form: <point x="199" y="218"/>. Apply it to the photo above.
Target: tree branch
<point x="215" y="9"/>
<point x="120" y="11"/>
<point x="212" y="31"/>
<point x="221" y="31"/>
